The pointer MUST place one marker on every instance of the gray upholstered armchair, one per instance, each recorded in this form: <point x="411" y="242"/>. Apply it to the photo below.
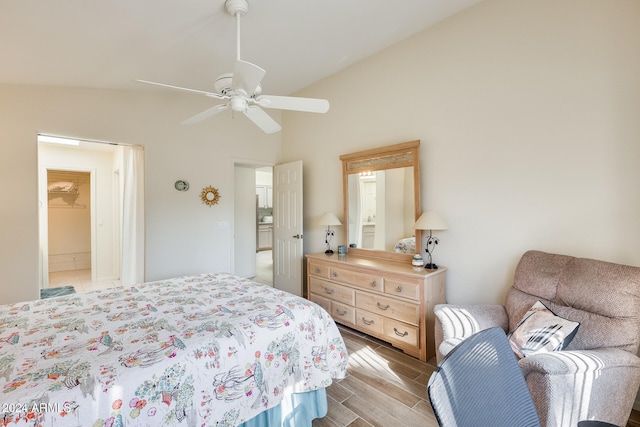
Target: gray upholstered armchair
<point x="596" y="377"/>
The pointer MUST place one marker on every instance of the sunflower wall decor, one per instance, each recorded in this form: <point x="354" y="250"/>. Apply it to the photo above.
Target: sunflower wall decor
<point x="210" y="196"/>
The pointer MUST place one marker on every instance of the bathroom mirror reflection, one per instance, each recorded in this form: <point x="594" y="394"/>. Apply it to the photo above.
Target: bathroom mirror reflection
<point x="382" y="200"/>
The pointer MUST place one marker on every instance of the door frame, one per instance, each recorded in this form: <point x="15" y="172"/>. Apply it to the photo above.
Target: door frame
<point x="86" y="146"/>
<point x="43" y="218"/>
<point x="241" y="162"/>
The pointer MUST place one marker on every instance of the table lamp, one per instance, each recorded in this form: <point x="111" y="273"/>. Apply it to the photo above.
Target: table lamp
<point x="329" y="219"/>
<point x="430" y="220"/>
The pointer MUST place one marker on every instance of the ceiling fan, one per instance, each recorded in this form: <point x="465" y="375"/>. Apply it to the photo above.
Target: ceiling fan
<point x="242" y="91"/>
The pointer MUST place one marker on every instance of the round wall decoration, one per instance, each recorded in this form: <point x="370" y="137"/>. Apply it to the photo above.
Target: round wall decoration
<point x="210" y="196"/>
<point x="181" y="185"/>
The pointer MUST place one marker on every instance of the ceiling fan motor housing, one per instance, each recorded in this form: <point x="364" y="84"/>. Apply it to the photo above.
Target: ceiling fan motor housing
<point x="223" y="83"/>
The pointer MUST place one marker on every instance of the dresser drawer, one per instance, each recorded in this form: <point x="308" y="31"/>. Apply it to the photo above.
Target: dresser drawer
<point x="369" y="322"/>
<point x="401" y="332"/>
<point x="402" y="289"/>
<point x="332" y="291"/>
<point x="388" y="307"/>
<point x="362" y="280"/>
<point x="321" y="301"/>
<point x="343" y="313"/>
<point x="319" y="270"/>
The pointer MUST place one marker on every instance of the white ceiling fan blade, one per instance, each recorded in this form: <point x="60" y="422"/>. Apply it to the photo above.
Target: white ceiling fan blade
<point x="211" y="94"/>
<point x="264" y="121"/>
<point x="209" y="112"/>
<point x="247" y="76"/>
<point x="310" y="105"/>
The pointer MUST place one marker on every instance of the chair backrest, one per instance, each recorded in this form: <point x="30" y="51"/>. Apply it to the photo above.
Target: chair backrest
<point x="479" y="383"/>
<point x="603" y="296"/>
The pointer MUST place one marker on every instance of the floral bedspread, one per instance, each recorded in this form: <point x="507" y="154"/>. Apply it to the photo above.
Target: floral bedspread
<point x="206" y="350"/>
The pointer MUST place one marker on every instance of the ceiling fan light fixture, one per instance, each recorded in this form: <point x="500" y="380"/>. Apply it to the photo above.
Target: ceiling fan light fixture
<point x="238" y="103"/>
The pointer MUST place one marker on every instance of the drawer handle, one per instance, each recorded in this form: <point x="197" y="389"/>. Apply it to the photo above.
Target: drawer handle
<point x="317" y="270"/>
<point x="367" y="322"/>
<point x="383" y="308"/>
<point x="399" y="334"/>
<point x="373" y="284"/>
<point x="399" y="289"/>
<point x="335" y="274"/>
<point x="341" y="313"/>
<point x="329" y="291"/>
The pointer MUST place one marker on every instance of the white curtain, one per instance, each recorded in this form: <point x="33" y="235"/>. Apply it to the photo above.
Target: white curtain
<point x="132" y="263"/>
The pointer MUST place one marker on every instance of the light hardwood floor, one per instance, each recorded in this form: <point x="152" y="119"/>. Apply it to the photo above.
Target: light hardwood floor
<point x="264" y="267"/>
<point x="385" y="388"/>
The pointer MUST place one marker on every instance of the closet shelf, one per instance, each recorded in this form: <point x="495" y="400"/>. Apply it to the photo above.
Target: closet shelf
<point x="73" y="192"/>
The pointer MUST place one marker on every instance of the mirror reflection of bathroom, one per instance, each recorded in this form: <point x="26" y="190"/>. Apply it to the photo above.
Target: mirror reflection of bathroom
<point x="264" y="225"/>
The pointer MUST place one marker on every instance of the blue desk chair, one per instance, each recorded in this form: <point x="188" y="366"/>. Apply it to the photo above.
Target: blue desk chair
<point x="479" y="383"/>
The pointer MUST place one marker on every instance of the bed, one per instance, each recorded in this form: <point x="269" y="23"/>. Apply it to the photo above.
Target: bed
<point x="204" y="350"/>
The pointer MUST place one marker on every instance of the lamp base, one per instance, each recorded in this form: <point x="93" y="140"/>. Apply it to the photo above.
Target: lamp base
<point x="328" y="252"/>
<point x="431" y="266"/>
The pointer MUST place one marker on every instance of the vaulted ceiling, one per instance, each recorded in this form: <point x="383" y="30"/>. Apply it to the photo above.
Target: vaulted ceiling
<point x="110" y="44"/>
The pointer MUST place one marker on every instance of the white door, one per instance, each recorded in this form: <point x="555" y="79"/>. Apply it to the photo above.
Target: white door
<point x="287" y="227"/>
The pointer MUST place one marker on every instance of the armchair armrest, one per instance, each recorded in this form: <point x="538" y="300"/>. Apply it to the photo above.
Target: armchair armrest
<point x="569" y="386"/>
<point x="578" y="362"/>
<point x="454" y="323"/>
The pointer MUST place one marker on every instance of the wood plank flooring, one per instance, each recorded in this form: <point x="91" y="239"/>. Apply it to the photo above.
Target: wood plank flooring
<point x="384" y="387"/>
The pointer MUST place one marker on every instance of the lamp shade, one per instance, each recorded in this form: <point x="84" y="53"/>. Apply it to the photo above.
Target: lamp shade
<point x="430" y="220"/>
<point x="329" y="218"/>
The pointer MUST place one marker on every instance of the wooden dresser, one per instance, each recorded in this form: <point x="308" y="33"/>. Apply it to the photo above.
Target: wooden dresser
<point x="388" y="299"/>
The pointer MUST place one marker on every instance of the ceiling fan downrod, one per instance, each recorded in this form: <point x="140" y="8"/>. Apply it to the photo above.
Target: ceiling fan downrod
<point x="237" y="8"/>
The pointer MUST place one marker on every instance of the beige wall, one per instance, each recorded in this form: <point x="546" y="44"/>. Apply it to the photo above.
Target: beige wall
<point x="527" y="114"/>
<point x="183" y="235"/>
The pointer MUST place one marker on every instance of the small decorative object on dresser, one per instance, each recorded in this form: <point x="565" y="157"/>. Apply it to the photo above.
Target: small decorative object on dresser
<point x="386" y="298"/>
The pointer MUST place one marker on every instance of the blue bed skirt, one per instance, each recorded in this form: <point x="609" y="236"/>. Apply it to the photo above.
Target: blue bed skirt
<point x="297" y="410"/>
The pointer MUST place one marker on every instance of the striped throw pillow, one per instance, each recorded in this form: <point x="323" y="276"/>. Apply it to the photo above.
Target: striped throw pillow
<point x="540" y="330"/>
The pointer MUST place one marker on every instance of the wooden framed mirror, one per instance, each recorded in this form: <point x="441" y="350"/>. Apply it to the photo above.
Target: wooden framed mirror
<point x="381" y="196"/>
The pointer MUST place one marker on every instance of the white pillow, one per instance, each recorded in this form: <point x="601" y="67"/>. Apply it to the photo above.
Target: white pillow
<point x="541" y="331"/>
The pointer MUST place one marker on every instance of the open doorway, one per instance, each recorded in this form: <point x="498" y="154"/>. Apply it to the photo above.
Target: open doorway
<point x="253" y="221"/>
<point x="87" y="191"/>
<point x="69" y="225"/>
<point x="264" y="225"/>
<point x="285" y="258"/>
